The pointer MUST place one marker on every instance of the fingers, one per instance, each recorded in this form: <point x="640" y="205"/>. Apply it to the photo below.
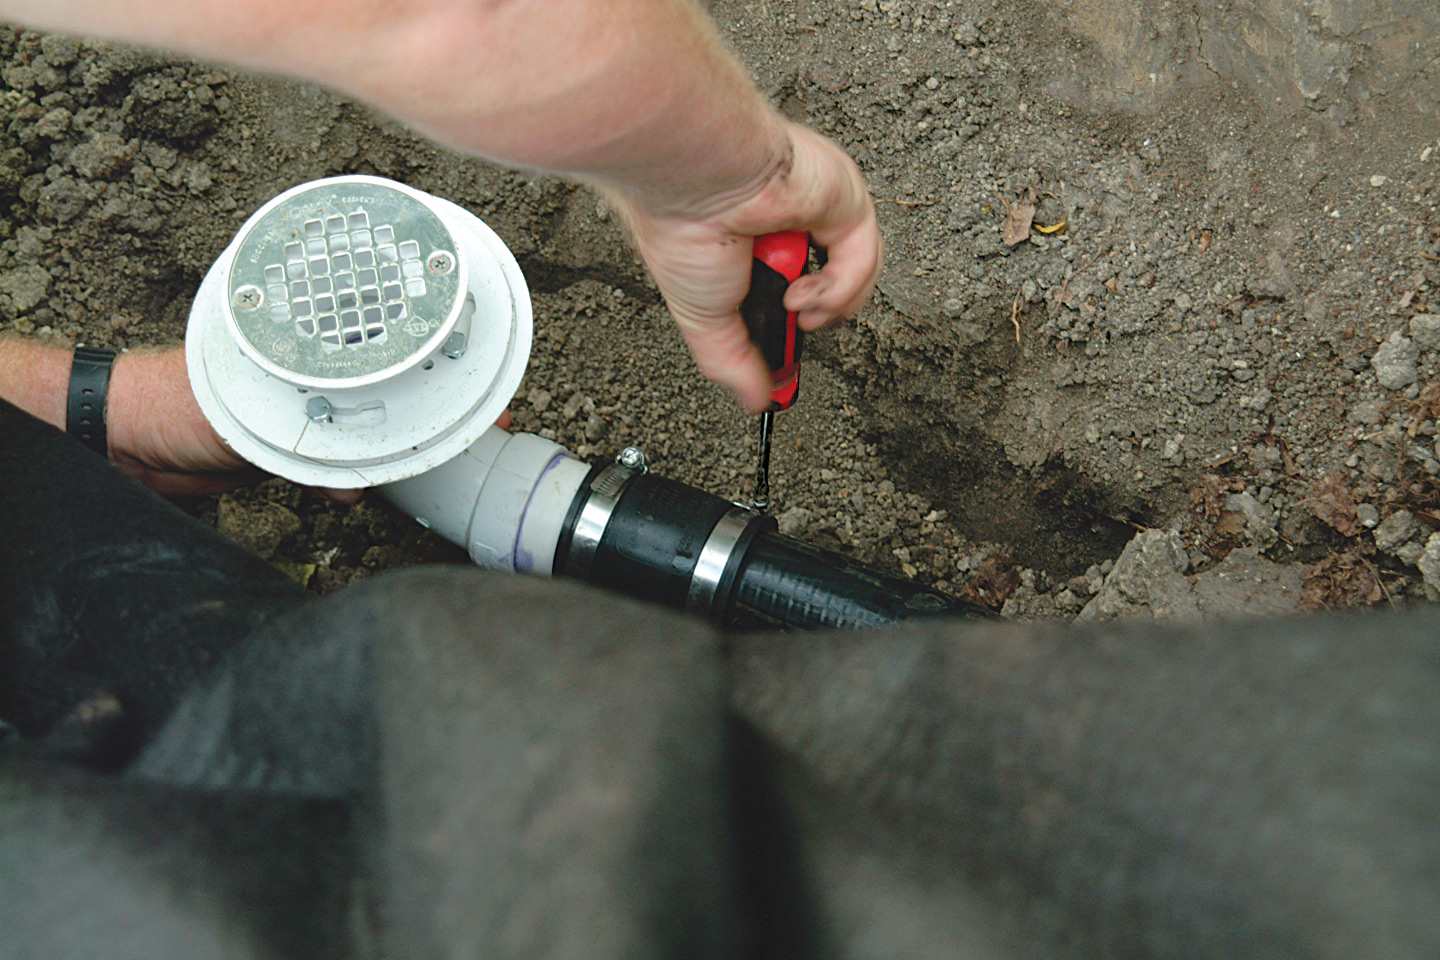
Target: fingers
<point x="702" y="264"/>
<point x="843" y="222"/>
<point x="726" y="356"/>
<point x="839" y="289"/>
<point x="340" y="495"/>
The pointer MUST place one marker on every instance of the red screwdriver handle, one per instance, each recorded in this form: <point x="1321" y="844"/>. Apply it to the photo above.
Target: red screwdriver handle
<point x="780" y="260"/>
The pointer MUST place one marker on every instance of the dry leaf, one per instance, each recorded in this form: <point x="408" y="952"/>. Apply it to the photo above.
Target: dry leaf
<point x="1230" y="524"/>
<point x="299" y="572"/>
<point x="1424" y="407"/>
<point x="1204" y="243"/>
<point x="1331" y="502"/>
<point x="1019" y="217"/>
<point x="1053" y="227"/>
<point x="1209" y="496"/>
<point x="1341" y="580"/>
<point x="997" y="581"/>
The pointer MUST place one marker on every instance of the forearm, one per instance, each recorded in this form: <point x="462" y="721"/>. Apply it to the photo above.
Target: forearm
<point x="35" y="378"/>
<point x="639" y="95"/>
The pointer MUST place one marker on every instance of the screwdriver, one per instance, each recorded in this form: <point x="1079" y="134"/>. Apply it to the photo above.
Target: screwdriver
<point x="779" y="260"/>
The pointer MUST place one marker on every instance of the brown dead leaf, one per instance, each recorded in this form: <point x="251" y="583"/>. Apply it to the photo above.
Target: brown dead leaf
<point x="1209" y="496"/>
<point x="1331" y="502"/>
<point x="1204" y="243"/>
<point x="1019" y="217"/>
<point x="997" y="581"/>
<point x="1424" y="407"/>
<point x="1049" y="228"/>
<point x="1412" y="287"/>
<point x="1341" y="580"/>
<point x="1230" y="524"/>
<point x="1272" y="439"/>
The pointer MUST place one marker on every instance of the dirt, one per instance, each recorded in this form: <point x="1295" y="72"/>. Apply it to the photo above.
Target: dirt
<point x="1219" y="326"/>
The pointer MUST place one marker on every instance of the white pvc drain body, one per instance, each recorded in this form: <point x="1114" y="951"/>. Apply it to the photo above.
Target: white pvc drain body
<point x="357" y="332"/>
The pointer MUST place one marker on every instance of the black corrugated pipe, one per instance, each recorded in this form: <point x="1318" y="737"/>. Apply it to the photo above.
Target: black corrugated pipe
<point x="654" y="538"/>
<point x="519" y="502"/>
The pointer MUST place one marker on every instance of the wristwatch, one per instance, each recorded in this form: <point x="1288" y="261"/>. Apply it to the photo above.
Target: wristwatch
<point x="85" y="407"/>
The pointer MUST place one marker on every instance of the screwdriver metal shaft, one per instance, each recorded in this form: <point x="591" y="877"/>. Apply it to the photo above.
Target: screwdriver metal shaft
<point x="761" y="499"/>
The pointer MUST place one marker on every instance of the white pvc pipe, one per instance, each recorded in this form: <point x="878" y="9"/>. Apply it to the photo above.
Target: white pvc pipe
<point x="504" y="499"/>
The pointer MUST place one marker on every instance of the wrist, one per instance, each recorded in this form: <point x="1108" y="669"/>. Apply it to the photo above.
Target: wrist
<point x="138" y="384"/>
<point x="747" y="163"/>
<point x="87" y="396"/>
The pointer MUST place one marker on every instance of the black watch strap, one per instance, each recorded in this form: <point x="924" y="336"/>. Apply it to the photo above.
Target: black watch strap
<point x="85" y="409"/>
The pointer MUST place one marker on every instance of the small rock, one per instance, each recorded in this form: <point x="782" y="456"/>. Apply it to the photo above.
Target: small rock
<point x="1245" y="584"/>
<point x="53" y="125"/>
<point x="1411" y="552"/>
<point x="1368" y="516"/>
<point x="1368" y="412"/>
<point x="63" y="200"/>
<point x="59" y="51"/>
<point x="1067" y="600"/>
<point x="1395" y="531"/>
<point x="1379" y="180"/>
<point x="25" y="286"/>
<point x="1429" y="562"/>
<point x="596" y="428"/>
<point x="260" y="526"/>
<point x="539" y="399"/>
<point x="1259" y="518"/>
<point x="572" y="406"/>
<point x="1260" y="399"/>
<point x="1425" y="330"/>
<point x="103" y="157"/>
<point x="1153" y="555"/>
<point x="1394" y="362"/>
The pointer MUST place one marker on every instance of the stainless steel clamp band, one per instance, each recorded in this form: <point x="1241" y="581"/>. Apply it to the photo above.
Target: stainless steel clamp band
<point x="714" y="556"/>
<point x="605" y="491"/>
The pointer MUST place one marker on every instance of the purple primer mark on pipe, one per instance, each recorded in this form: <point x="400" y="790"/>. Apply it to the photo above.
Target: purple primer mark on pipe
<point x="520" y="558"/>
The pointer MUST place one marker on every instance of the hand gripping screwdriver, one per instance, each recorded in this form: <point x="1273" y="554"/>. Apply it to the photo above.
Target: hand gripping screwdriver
<point x="779" y="260"/>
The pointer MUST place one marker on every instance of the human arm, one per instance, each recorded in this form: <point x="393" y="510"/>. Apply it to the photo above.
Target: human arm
<point x="154" y="429"/>
<point x="637" y="97"/>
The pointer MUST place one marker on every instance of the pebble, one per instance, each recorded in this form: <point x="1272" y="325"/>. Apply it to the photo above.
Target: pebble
<point x="596" y="428"/>
<point x="26" y="286"/>
<point x="1394" y="362"/>
<point x="1259" y="518"/>
<point x="539" y="399"/>
<point x="573" y="405"/>
<point x="795" y="521"/>
<point x="1425" y="330"/>
<point x="1395" y="531"/>
<point x="1379" y="180"/>
<point x="1429" y="562"/>
<point x="1368" y="516"/>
